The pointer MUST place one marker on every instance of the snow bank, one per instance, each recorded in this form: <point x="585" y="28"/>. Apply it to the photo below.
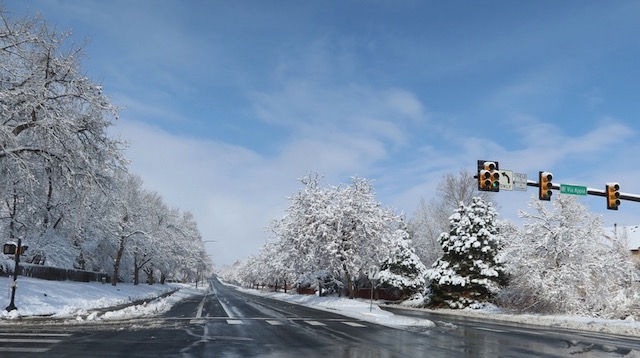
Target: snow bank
<point x="66" y="299"/>
<point x="354" y="308"/>
<point x="358" y="308"/>
<point x="627" y="327"/>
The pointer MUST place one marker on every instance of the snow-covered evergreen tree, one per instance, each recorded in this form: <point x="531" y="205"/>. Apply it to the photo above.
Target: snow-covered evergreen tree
<point x="470" y="271"/>
<point x="403" y="269"/>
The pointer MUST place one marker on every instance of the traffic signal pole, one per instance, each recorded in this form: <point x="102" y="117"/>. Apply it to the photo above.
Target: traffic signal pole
<point x="488" y="176"/>
<point x="591" y="191"/>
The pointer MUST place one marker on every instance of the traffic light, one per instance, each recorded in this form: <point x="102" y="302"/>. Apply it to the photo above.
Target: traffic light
<point x="613" y="196"/>
<point x="545" y="185"/>
<point x="9" y="249"/>
<point x="488" y="176"/>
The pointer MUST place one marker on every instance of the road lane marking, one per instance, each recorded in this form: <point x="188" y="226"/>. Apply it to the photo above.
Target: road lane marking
<point x="29" y="340"/>
<point x="36" y="334"/>
<point x="32" y="338"/>
<point x="225" y="308"/>
<point x="354" y="324"/>
<point x="23" y="350"/>
<point x="229" y="338"/>
<point x="489" y="329"/>
<point x="315" y="323"/>
<point x="274" y="323"/>
<point x="200" y="307"/>
<point x="234" y="321"/>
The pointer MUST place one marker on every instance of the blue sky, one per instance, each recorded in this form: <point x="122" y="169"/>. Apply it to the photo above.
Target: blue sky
<point x="227" y="103"/>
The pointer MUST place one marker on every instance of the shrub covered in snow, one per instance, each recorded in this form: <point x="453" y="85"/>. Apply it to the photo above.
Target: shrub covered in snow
<point x="403" y="268"/>
<point x="322" y="281"/>
<point x="560" y="262"/>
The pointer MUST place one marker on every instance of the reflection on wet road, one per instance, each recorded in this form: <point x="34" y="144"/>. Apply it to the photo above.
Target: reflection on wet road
<point x="229" y="323"/>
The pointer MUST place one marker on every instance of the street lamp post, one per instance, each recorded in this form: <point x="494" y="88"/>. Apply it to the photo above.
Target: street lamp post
<point x="14" y="284"/>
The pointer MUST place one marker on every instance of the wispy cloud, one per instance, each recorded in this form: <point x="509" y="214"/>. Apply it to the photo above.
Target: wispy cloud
<point x="228" y="103"/>
<point x="317" y="110"/>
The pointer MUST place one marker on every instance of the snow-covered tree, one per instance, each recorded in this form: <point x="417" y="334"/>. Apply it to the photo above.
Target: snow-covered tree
<point x="306" y="230"/>
<point x="185" y="253"/>
<point x="334" y="231"/>
<point x="560" y="262"/>
<point x="403" y="268"/>
<point x="363" y="229"/>
<point x="470" y="271"/>
<point x="431" y="218"/>
<point x="64" y="185"/>
<point x="53" y="133"/>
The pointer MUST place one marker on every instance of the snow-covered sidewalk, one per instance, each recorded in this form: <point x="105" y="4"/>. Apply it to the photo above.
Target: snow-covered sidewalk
<point x="88" y="300"/>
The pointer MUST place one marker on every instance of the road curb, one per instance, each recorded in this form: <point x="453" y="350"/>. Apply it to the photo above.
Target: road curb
<point x="99" y="312"/>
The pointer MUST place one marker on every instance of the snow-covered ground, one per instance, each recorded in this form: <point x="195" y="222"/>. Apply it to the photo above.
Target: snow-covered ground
<point x="96" y="301"/>
<point x="359" y="308"/>
<point x="87" y="301"/>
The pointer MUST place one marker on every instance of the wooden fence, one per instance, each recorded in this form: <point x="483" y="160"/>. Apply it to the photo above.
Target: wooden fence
<point x="57" y="274"/>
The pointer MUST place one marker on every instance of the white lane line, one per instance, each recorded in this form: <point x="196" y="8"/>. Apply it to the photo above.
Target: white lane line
<point x="354" y="324"/>
<point x="315" y="323"/>
<point x="23" y="350"/>
<point x="200" y="307"/>
<point x="234" y="321"/>
<point x="226" y="309"/>
<point x="28" y="340"/>
<point x="490" y="329"/>
<point x="36" y="334"/>
<point x="274" y="323"/>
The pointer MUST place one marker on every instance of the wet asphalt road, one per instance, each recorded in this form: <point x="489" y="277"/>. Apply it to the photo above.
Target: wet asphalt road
<point x="229" y="323"/>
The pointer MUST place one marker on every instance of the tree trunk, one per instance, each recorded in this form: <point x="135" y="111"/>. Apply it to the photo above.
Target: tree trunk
<point x="116" y="263"/>
<point x="349" y="282"/>
<point x="136" y="275"/>
<point x="149" y="272"/>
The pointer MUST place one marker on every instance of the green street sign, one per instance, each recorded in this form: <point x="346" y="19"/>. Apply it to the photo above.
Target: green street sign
<point x="573" y="189"/>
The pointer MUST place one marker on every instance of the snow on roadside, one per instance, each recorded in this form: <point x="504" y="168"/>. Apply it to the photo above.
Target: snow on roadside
<point x="354" y="308"/>
<point x="80" y="300"/>
<point x="147" y="309"/>
<point x="627" y="327"/>
<point x="67" y="299"/>
<point x="358" y="308"/>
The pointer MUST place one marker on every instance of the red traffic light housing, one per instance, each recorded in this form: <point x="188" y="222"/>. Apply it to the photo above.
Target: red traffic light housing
<point x="612" y="191"/>
<point x="488" y="176"/>
<point x="545" y="185"/>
